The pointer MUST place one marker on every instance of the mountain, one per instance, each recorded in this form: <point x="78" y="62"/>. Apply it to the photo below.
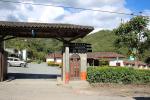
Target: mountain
<point x="103" y="41"/>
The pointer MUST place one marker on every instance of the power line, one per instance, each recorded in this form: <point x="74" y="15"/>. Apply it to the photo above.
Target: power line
<point x="39" y="4"/>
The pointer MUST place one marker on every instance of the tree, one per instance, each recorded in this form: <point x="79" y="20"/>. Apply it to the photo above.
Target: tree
<point x="134" y="35"/>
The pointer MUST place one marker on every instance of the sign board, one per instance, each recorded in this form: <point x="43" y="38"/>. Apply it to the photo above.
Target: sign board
<point x="79" y="47"/>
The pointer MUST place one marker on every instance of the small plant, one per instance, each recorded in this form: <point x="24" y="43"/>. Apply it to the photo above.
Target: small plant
<point x="52" y="63"/>
<point x="39" y="61"/>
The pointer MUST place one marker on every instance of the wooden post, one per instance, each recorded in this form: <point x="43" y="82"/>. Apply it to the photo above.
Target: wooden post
<point x="3" y="62"/>
<point x="1" y="70"/>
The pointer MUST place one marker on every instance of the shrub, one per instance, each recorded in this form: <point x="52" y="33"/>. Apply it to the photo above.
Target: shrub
<point x="117" y="75"/>
<point x="51" y="63"/>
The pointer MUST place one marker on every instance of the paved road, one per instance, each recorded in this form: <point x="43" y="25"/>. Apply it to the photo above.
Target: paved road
<point x="42" y="89"/>
<point x="33" y="71"/>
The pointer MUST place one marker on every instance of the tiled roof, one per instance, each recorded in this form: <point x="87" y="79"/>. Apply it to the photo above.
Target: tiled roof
<point x="94" y="55"/>
<point x="54" y="55"/>
<point x="134" y="62"/>
<point x="43" y="30"/>
<point x="97" y="55"/>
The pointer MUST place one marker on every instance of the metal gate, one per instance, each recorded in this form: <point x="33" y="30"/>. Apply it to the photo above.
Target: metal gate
<point x="75" y="67"/>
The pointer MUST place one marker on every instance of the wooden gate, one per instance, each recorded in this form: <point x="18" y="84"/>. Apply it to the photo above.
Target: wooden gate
<point x="75" y="67"/>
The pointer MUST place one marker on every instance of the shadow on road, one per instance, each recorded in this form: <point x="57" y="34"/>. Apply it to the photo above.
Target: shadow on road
<point x="142" y="98"/>
<point x="32" y="76"/>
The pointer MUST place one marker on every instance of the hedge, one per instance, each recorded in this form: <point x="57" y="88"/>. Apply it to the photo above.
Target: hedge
<point x="51" y="63"/>
<point x="121" y="75"/>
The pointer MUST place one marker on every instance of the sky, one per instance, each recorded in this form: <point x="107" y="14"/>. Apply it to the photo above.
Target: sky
<point x="52" y="14"/>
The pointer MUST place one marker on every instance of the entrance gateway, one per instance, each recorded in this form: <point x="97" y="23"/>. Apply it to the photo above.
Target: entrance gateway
<point x="74" y="58"/>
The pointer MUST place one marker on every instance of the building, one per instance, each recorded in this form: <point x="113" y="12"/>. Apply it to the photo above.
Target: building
<point x="54" y="57"/>
<point x="65" y="33"/>
<point x="104" y="58"/>
<point x="101" y="58"/>
<point x="22" y="54"/>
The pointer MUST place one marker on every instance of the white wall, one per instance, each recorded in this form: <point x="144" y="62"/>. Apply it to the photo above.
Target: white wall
<point x="113" y="63"/>
<point x="24" y="54"/>
<point x="49" y="59"/>
<point x="58" y="60"/>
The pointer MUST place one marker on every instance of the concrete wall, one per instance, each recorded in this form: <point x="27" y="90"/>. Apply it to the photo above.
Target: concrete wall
<point x="113" y="63"/>
<point x="58" y="60"/>
<point x="24" y="54"/>
<point x="49" y="59"/>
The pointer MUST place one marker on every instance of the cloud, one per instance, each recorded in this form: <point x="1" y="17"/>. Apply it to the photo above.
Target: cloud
<point x="98" y="19"/>
<point x="7" y="6"/>
<point x="147" y="13"/>
<point x="51" y="14"/>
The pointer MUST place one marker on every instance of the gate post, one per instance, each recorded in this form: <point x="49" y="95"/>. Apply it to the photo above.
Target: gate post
<point x="83" y="72"/>
<point x="66" y="65"/>
<point x="3" y="62"/>
<point x="1" y="69"/>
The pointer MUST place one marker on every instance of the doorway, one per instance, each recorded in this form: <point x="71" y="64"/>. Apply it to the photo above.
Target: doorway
<point x="75" y="67"/>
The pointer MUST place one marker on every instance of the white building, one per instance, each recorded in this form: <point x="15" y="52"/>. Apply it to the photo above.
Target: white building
<point x="54" y="57"/>
<point x="17" y="53"/>
<point x="128" y="63"/>
<point x="116" y="63"/>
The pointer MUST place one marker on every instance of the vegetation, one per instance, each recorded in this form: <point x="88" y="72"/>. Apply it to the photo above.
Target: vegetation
<point x="37" y="48"/>
<point x="52" y="63"/>
<point x="45" y="46"/>
<point x="117" y="75"/>
<point x="134" y="35"/>
<point x="102" y="41"/>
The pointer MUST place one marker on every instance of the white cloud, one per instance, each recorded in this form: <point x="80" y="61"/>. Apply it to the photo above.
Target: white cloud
<point x="49" y="14"/>
<point x="98" y="19"/>
<point x="147" y="13"/>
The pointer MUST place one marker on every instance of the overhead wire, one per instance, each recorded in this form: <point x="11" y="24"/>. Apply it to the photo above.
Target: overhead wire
<point x="41" y="4"/>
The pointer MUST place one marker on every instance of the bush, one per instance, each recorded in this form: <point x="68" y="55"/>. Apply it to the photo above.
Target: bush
<point x="117" y="75"/>
<point x="51" y="63"/>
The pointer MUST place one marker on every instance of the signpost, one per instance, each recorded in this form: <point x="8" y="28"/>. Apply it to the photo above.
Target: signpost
<point x="79" y="47"/>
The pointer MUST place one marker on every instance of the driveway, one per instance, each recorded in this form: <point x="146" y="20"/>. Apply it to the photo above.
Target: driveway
<point x="34" y="71"/>
<point x="30" y="86"/>
<point x="41" y="89"/>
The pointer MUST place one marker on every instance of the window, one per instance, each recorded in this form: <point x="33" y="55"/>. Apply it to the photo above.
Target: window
<point x="10" y="59"/>
<point x="117" y="64"/>
<point x="16" y="59"/>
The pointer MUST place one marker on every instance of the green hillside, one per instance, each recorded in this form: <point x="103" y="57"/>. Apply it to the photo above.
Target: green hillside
<point x="103" y="41"/>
